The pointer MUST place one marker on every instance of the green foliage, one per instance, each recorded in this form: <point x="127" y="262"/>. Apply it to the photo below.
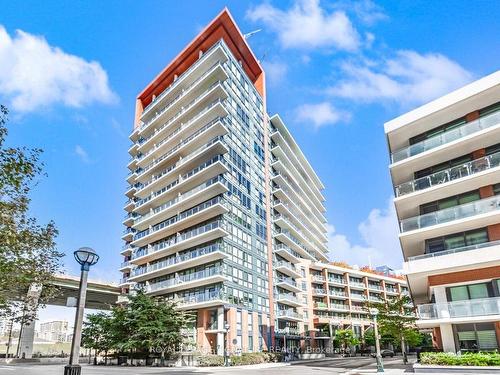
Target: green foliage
<point x="345" y="338"/>
<point x="241" y="360"/>
<point x="466" y="359"/>
<point x="210" y="360"/>
<point x="27" y="250"/>
<point x="144" y="325"/>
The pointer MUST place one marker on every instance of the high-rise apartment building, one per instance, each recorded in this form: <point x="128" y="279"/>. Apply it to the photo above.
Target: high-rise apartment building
<point x="56" y="331"/>
<point x="219" y="195"/>
<point x="445" y="167"/>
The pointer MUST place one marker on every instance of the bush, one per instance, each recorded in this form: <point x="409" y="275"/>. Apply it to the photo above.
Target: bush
<point x="466" y="359"/>
<point x="248" y="359"/>
<point x="210" y="360"/>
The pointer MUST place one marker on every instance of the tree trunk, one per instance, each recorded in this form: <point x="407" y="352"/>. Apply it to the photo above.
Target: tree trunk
<point x="105" y="358"/>
<point x="403" y="350"/>
<point x="162" y="358"/>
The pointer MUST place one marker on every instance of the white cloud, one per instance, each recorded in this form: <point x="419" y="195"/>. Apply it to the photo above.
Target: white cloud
<point x="306" y="25"/>
<point x="275" y="71"/>
<point x="35" y="75"/>
<point x="320" y="114"/>
<point x="368" y="12"/>
<point x="380" y="241"/>
<point x="82" y="154"/>
<point x="407" y="78"/>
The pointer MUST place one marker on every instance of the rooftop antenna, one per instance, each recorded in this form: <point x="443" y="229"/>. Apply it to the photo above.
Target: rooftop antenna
<point x="248" y="35"/>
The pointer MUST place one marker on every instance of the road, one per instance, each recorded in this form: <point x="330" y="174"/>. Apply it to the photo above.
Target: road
<point x="338" y="366"/>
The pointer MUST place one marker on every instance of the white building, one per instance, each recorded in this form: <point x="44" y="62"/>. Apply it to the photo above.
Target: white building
<point x="445" y="168"/>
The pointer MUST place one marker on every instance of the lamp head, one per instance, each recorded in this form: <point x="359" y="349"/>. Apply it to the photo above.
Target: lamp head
<point x="373" y="311"/>
<point x="86" y="257"/>
<point x="227" y="326"/>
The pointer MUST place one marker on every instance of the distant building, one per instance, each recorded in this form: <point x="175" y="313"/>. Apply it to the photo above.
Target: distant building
<point x="386" y="270"/>
<point x="56" y="331"/>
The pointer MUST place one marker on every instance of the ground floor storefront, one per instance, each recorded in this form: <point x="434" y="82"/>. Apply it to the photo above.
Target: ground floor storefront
<point x="467" y="337"/>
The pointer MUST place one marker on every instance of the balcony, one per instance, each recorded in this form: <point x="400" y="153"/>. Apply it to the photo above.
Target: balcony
<point x="287" y="331"/>
<point x="375" y="287"/>
<point x="339" y="306"/>
<point x="288" y="284"/>
<point x="464" y="211"/>
<point x="190" y="198"/>
<point x="212" y="57"/>
<point x="285" y="236"/>
<point x="287" y="253"/>
<point x="320" y="305"/>
<point x="213" y="110"/>
<point x="471" y="168"/>
<point x="287" y="268"/>
<point x="447" y="137"/>
<point x="289" y="315"/>
<point x="288" y="299"/>
<point x="201" y="300"/>
<point x="318" y="278"/>
<point x="191" y="280"/>
<point x="357" y="285"/>
<point x="197" y="214"/>
<point x="460" y="309"/>
<point x="358" y="297"/>
<point x="334" y="280"/>
<point x="187" y="239"/>
<point x="319" y="292"/>
<point x="128" y="234"/>
<point x="186" y="148"/>
<point x="125" y="266"/>
<point x="126" y="249"/>
<point x="454" y="251"/>
<point x="194" y="258"/>
<point x="335" y="293"/>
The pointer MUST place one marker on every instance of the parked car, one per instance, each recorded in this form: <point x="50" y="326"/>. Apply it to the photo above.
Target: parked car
<point x="384" y="353"/>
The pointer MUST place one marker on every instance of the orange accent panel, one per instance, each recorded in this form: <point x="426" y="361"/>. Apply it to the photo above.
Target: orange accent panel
<point x="437" y="341"/>
<point x="494" y="232"/>
<point x="486" y="191"/>
<point x="464" y="276"/>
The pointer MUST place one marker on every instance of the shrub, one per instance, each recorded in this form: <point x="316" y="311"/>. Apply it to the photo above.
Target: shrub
<point x="248" y="359"/>
<point x="466" y="359"/>
<point x="210" y="360"/>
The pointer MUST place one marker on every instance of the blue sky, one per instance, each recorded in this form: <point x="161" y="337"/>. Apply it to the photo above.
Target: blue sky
<point x="70" y="71"/>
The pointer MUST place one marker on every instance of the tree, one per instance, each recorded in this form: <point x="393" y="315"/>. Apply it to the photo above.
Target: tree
<point x="346" y="339"/>
<point x="156" y="324"/>
<point x="97" y="334"/>
<point x="144" y="325"/>
<point x="394" y="321"/>
<point x="28" y="257"/>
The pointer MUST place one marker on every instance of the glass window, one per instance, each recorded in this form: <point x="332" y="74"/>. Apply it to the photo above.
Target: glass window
<point x="459" y="293"/>
<point x="476" y="237"/>
<point x="478" y="291"/>
<point x="454" y="242"/>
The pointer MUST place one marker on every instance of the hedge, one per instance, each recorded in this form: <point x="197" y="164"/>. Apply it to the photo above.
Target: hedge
<point x="241" y="360"/>
<point x="466" y="359"/>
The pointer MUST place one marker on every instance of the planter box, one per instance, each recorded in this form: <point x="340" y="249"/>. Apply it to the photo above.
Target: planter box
<point x="433" y="369"/>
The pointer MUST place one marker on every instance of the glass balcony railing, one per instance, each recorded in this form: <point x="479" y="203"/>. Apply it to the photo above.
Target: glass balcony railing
<point x="358" y="284"/>
<point x="213" y="295"/>
<point x="125" y="264"/>
<point x="451" y="174"/>
<point x="287" y="296"/>
<point x="292" y="238"/>
<point x="336" y="293"/>
<point x="173" y="240"/>
<point x="178" y="98"/>
<point x="460" y="309"/>
<point x="184" y="215"/>
<point x="287" y="249"/>
<point x="288" y="314"/>
<point x="288" y="265"/>
<point x="287" y="280"/>
<point x="462" y="211"/>
<point x="203" y="274"/>
<point x="178" y="259"/>
<point x="375" y="287"/>
<point x="454" y="251"/>
<point x="319" y="278"/>
<point x="339" y="306"/>
<point x="335" y="280"/>
<point x="358" y="296"/>
<point x="319" y="291"/>
<point x="320" y="305"/>
<point x="179" y="79"/>
<point x="447" y="137"/>
<point x="287" y="331"/>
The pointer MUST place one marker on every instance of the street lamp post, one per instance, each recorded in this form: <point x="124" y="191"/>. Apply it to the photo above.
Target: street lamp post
<point x="86" y="257"/>
<point x="380" y="364"/>
<point x="226" y="359"/>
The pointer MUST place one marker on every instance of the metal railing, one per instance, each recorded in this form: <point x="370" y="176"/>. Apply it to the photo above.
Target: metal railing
<point x="460" y="309"/>
<point x="451" y="174"/>
<point x="447" y="137"/>
<point x="288" y="314"/>
<point x="203" y="274"/>
<point x="477" y="207"/>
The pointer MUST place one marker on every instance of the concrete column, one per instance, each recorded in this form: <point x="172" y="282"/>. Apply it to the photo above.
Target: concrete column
<point x="220" y="330"/>
<point x="447" y="337"/>
<point x="27" y="336"/>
